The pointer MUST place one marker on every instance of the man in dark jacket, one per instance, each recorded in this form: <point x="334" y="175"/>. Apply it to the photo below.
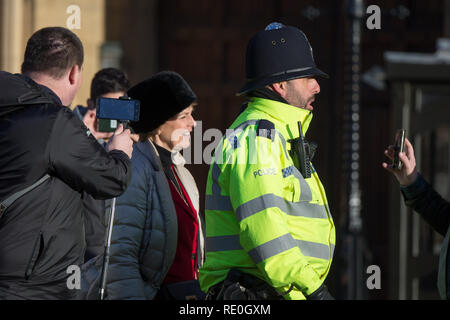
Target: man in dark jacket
<point x="107" y="83"/>
<point x="420" y="196"/>
<point x="42" y="233"/>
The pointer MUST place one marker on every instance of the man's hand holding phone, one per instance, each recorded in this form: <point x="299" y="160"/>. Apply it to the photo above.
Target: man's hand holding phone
<point x="91" y="121"/>
<point x="406" y="173"/>
<point x="121" y="140"/>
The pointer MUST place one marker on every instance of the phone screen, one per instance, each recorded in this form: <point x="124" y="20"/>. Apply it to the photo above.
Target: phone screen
<point x="111" y="112"/>
<point x="399" y="146"/>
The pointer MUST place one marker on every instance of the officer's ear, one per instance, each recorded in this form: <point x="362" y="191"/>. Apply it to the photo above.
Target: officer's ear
<point x="280" y="88"/>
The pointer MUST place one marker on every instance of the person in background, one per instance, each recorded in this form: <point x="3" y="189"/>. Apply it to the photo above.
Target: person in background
<point x="157" y="240"/>
<point x="420" y="196"/>
<point x="107" y="83"/>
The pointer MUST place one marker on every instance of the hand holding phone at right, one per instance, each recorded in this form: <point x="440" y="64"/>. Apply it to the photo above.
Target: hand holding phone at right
<point x="408" y="173"/>
<point x="121" y="140"/>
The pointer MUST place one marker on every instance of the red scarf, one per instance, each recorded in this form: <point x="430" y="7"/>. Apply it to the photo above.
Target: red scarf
<point x="184" y="266"/>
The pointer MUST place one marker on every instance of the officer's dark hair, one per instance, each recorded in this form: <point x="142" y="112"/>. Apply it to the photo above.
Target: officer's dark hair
<point x="109" y="80"/>
<point x="53" y="51"/>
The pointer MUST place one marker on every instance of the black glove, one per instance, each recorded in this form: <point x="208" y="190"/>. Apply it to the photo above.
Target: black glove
<point x="321" y="294"/>
<point x="238" y="292"/>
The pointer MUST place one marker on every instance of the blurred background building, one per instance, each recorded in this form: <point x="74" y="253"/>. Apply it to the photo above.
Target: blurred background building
<point x="382" y="79"/>
<point x="19" y="19"/>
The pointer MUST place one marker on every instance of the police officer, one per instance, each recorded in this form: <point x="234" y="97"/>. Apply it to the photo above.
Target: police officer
<point x="270" y="234"/>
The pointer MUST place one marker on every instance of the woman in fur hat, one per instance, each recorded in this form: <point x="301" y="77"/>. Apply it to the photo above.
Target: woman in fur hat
<point x="157" y="240"/>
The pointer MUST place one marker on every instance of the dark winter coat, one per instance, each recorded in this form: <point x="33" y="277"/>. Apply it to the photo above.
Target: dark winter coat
<point x="421" y="197"/>
<point x="144" y="238"/>
<point x="42" y="233"/>
<point x="96" y="217"/>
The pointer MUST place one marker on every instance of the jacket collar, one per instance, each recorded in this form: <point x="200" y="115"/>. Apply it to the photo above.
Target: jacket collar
<point x="165" y="156"/>
<point x="266" y="93"/>
<point x="46" y="90"/>
<point x="150" y="152"/>
<point x="287" y="115"/>
<point x="169" y="157"/>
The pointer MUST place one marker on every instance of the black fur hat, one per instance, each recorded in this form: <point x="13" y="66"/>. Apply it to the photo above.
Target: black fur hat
<point x="162" y="96"/>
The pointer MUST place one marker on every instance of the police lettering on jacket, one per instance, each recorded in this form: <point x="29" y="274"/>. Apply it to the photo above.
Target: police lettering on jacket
<point x="265" y="172"/>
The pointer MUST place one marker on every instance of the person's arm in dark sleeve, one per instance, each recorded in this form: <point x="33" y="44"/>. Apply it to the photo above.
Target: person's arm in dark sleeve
<point x="76" y="158"/>
<point x="418" y="194"/>
<point x="421" y="197"/>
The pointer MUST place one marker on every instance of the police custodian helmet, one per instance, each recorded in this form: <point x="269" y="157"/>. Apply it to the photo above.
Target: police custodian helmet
<point x="278" y="53"/>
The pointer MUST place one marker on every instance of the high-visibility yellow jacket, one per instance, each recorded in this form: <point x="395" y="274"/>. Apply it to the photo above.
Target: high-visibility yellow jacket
<point x="262" y="217"/>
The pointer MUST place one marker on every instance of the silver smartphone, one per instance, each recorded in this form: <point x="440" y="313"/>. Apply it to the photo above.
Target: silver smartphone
<point x="399" y="146"/>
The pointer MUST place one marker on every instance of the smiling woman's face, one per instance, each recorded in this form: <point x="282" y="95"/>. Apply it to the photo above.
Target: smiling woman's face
<point x="175" y="133"/>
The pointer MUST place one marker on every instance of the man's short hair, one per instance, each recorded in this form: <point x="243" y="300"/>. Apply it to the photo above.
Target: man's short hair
<point x="109" y="80"/>
<point x="53" y="51"/>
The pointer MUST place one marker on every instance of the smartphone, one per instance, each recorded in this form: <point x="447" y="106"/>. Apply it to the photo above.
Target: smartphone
<point x="112" y="112"/>
<point x="399" y="146"/>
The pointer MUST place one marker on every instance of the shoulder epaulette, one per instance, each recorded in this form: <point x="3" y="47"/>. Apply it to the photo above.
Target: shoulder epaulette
<point x="266" y="129"/>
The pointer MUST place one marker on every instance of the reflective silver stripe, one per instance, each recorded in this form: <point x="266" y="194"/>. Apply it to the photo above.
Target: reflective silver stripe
<point x="216" y="190"/>
<point x="332" y="246"/>
<point x="215" y="178"/>
<point x="218" y="202"/>
<point x="252" y="148"/>
<point x="305" y="190"/>
<point x="245" y="124"/>
<point x="283" y="142"/>
<point x="306" y="194"/>
<point x="329" y="212"/>
<point x="223" y="243"/>
<point x="272" y="248"/>
<point x="299" y="209"/>
<point x="314" y="249"/>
